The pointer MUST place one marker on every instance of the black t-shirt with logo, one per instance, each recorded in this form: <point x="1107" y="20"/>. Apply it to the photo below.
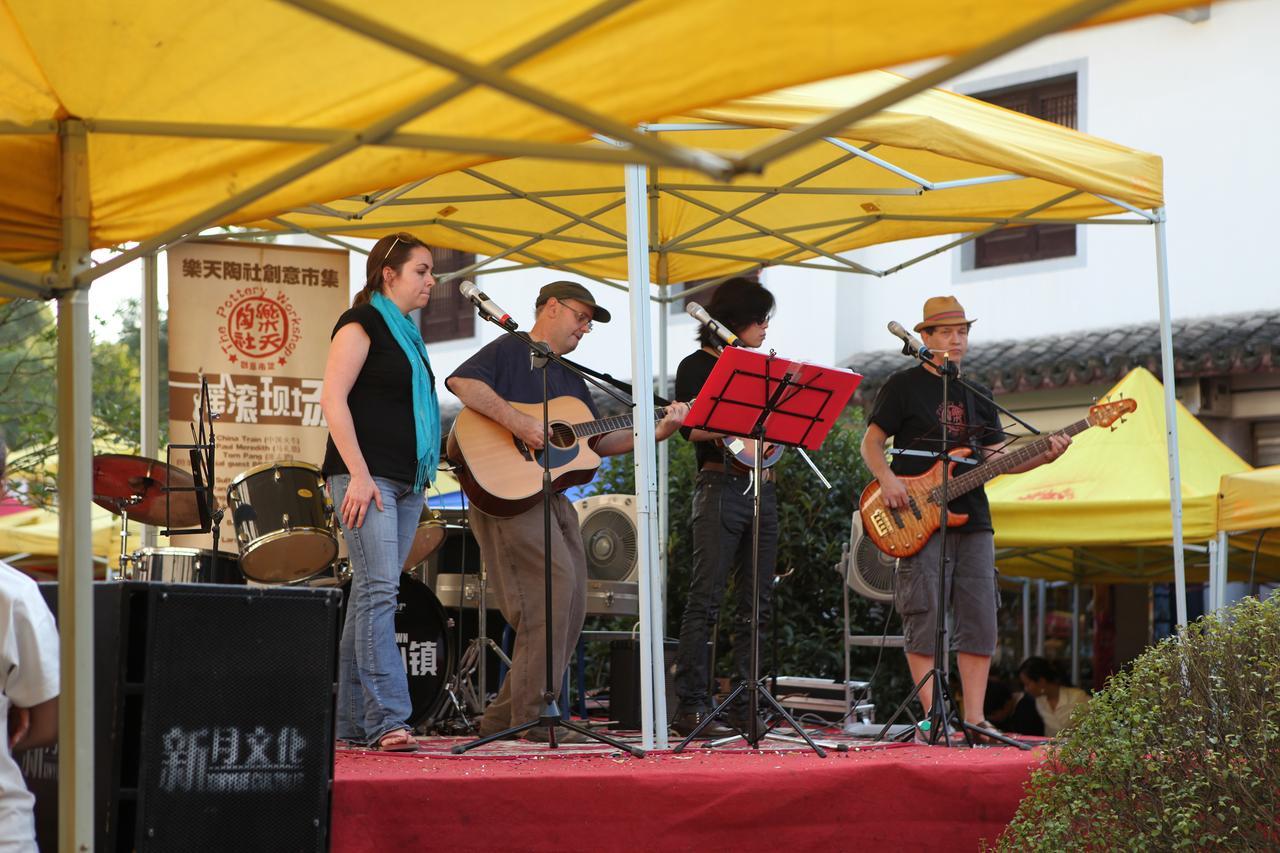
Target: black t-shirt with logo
<point x="909" y="408"/>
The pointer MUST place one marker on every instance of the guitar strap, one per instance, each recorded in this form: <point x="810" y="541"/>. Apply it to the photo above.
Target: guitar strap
<point x="624" y="387"/>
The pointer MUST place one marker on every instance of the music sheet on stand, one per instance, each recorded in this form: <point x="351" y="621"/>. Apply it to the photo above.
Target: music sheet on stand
<point x="254" y="319"/>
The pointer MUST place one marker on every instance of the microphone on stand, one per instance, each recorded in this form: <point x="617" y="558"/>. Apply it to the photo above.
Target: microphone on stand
<point x="487" y="307"/>
<point x="911" y="344"/>
<point x="700" y="314"/>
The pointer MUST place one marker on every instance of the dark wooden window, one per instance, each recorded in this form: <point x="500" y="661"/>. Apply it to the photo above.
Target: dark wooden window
<point x="1052" y="100"/>
<point x="448" y="317"/>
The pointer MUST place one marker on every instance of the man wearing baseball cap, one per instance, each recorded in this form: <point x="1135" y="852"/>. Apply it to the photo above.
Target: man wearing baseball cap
<point x="499" y="374"/>
<point x="910" y="409"/>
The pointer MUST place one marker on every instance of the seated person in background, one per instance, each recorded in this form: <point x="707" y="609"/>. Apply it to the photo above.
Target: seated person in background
<point x="1014" y="713"/>
<point x="1054" y="700"/>
<point x="28" y="693"/>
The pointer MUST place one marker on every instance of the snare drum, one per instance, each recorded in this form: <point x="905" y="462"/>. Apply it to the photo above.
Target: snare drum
<point x="284" y="523"/>
<point x="184" y="565"/>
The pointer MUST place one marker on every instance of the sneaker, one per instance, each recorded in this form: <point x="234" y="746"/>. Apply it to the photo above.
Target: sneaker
<point x="684" y="723"/>
<point x="538" y="734"/>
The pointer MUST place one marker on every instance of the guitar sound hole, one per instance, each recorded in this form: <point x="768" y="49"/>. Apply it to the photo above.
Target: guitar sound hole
<point x="562" y="435"/>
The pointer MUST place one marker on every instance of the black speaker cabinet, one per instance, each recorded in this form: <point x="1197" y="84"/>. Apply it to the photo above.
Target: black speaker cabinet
<point x="213" y="719"/>
<point x="624" y="681"/>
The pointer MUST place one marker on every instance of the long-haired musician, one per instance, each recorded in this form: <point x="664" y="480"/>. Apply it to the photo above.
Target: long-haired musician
<point x="380" y="401"/>
<point x="722" y="519"/>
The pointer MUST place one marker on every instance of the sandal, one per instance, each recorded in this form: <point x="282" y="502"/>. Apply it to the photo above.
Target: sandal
<point x="981" y="738"/>
<point x="398" y="740"/>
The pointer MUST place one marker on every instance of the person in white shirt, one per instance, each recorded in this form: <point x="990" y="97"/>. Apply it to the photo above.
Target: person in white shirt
<point x="28" y="693"/>
<point x="1055" y="701"/>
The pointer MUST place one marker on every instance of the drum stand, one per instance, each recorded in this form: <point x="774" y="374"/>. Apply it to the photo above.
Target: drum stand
<point x="122" y="506"/>
<point x="467" y="699"/>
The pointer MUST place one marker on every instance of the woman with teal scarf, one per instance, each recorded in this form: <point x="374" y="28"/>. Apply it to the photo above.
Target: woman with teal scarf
<point x="380" y="401"/>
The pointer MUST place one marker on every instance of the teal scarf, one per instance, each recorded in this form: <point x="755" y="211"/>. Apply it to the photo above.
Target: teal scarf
<point x="426" y="406"/>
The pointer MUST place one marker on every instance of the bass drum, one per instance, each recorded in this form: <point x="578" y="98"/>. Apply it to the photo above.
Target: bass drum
<point x="425" y="640"/>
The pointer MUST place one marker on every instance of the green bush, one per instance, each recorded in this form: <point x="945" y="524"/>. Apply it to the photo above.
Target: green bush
<point x="813" y="525"/>
<point x="1181" y="751"/>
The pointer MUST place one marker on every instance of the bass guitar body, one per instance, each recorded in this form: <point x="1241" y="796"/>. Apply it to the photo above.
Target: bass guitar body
<point x="502" y="475"/>
<point x="904" y="532"/>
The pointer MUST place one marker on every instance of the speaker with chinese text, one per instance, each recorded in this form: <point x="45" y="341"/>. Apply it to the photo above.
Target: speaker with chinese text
<point x="215" y="727"/>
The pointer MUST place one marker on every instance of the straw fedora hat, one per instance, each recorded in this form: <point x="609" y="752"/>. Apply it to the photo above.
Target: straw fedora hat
<point x="942" y="311"/>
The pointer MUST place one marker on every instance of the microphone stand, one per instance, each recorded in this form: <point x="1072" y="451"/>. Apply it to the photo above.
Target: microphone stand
<point x="938" y="725"/>
<point x="541" y="356"/>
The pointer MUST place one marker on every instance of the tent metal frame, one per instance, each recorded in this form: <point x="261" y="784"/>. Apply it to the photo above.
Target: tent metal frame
<point x="642" y="232"/>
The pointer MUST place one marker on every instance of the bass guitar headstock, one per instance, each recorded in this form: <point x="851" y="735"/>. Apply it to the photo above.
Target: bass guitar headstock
<point x="1106" y="414"/>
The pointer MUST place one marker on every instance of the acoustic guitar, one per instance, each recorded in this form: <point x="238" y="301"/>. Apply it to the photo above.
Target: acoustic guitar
<point x="904" y="532"/>
<point x="502" y="475"/>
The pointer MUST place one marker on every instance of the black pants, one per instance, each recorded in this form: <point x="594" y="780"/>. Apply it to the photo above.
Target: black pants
<point x="722" y="546"/>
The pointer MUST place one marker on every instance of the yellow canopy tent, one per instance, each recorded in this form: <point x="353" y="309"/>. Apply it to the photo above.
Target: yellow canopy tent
<point x="935" y="163"/>
<point x="177" y="121"/>
<point x="1101" y="513"/>
<point x="1249" y="500"/>
<point x="1247" y="546"/>
<point x="1112" y="486"/>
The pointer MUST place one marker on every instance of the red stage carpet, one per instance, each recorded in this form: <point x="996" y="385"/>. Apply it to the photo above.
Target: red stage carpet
<point x="586" y="798"/>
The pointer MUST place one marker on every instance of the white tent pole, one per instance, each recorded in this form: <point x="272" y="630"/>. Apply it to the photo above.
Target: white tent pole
<point x="1026" y="618"/>
<point x="149" y="436"/>
<point x="1042" y="600"/>
<point x="75" y="492"/>
<point x="1170" y="416"/>
<point x="1224" y="562"/>
<point x="1075" y="633"/>
<point x="652" y="684"/>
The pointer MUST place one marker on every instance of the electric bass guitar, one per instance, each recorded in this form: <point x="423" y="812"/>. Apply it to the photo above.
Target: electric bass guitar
<point x="904" y="532"/>
<point x="502" y="475"/>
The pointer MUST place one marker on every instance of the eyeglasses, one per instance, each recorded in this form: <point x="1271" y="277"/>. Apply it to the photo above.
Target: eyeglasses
<point x="583" y="318"/>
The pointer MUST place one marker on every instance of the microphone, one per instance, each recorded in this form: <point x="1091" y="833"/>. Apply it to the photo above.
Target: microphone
<point x="912" y="345"/>
<point x="487" y="307"/>
<point x="700" y="314"/>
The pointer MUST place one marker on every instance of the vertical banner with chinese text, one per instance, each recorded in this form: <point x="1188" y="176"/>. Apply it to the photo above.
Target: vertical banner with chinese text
<point x="254" y="320"/>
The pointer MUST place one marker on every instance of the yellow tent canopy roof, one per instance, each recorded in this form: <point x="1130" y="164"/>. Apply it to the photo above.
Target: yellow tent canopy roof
<point x="1249" y="500"/>
<point x="1112" y="486"/>
<point x="821" y="200"/>
<point x="188" y="107"/>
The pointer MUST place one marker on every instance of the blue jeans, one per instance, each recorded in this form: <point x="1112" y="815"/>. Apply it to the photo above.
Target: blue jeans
<point x="373" y="687"/>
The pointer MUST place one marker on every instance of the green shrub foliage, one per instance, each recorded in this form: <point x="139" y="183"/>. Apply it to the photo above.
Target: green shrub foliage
<point x="1179" y="752"/>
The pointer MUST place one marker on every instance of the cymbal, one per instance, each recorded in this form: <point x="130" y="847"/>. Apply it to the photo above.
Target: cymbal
<point x="136" y="485"/>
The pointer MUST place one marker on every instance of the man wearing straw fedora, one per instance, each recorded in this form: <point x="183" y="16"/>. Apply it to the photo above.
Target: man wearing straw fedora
<point x="909" y="407"/>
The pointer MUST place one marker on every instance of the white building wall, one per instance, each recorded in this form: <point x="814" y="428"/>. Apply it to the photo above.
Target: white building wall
<point x="1198" y="95"/>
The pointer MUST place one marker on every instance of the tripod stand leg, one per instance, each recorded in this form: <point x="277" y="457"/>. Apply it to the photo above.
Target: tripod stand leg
<point x="791" y="721"/>
<point x="737" y="691"/>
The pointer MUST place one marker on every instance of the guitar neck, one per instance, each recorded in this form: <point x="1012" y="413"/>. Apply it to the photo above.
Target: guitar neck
<point x="970" y="480"/>
<point x="604" y="425"/>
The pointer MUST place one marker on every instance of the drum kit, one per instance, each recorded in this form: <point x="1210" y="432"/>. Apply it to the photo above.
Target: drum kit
<point x="286" y="533"/>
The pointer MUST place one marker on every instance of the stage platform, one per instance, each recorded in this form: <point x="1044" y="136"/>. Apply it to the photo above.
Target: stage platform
<point x="513" y="795"/>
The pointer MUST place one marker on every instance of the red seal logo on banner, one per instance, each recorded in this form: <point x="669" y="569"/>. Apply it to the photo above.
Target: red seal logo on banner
<point x="259" y="330"/>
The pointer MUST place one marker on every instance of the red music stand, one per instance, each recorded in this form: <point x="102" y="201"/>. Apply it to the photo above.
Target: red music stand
<point x="773" y="401"/>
